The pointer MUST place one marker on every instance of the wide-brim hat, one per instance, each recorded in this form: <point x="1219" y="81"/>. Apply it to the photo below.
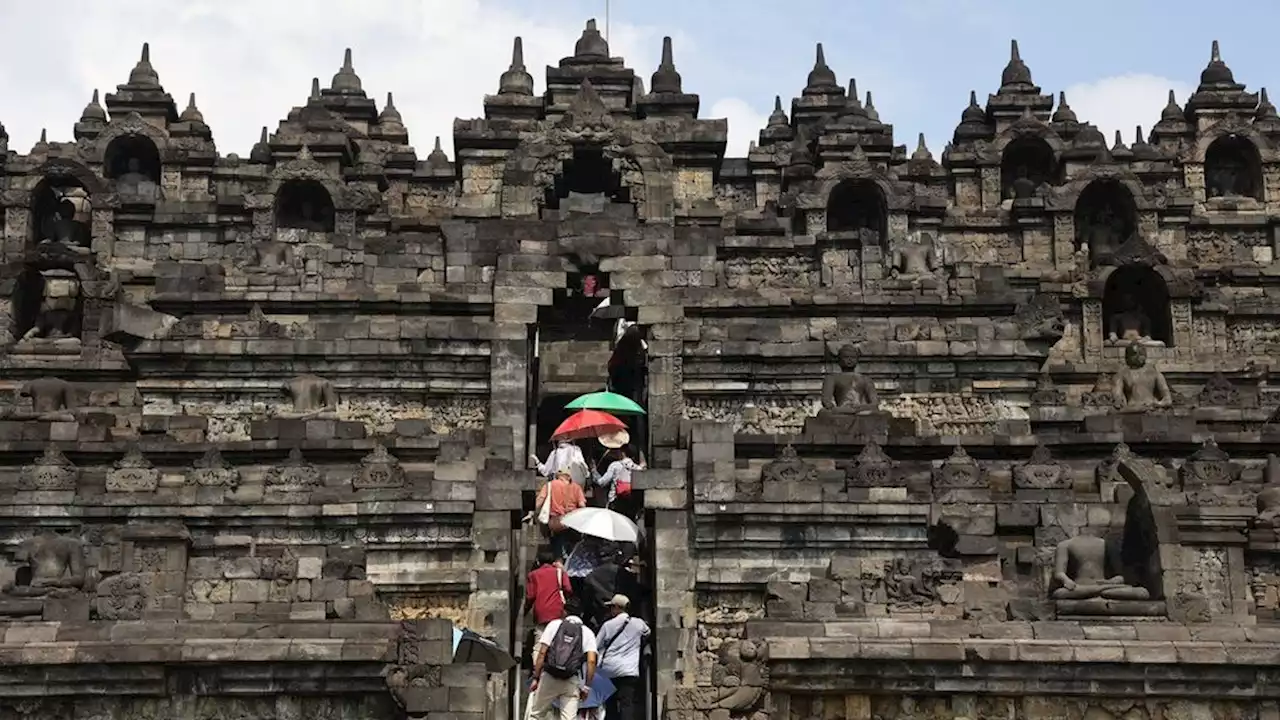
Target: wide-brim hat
<point x="615" y="439"/>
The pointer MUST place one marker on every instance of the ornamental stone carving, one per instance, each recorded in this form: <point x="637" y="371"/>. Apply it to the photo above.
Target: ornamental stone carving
<point x="133" y="473"/>
<point x="52" y="471"/>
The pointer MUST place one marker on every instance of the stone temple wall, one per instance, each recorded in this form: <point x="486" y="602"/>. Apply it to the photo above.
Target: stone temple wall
<point x="988" y="437"/>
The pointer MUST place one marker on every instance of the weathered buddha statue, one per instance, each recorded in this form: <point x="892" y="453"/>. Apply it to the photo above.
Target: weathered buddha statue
<point x="848" y="392"/>
<point x="1140" y="386"/>
<point x="65" y="229"/>
<point x="57" y="316"/>
<point x="1083" y="568"/>
<point x="1022" y="187"/>
<point x="1130" y="324"/>
<point x="52" y="399"/>
<point x="1226" y="178"/>
<point x="56" y="563"/>
<point x="312" y="396"/>
<point x="914" y="259"/>
<point x="134" y="182"/>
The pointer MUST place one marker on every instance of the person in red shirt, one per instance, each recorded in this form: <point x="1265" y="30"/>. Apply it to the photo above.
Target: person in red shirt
<point x="545" y="590"/>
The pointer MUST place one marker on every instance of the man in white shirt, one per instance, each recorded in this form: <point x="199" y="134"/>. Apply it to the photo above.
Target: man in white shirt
<point x="548" y="689"/>
<point x="621" y="639"/>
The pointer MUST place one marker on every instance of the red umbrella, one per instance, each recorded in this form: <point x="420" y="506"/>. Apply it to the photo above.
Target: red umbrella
<point x="587" y="424"/>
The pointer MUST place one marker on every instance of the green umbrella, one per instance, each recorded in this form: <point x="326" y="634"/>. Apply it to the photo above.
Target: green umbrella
<point x="607" y="401"/>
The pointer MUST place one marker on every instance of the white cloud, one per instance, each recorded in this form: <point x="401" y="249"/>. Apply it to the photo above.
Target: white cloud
<point x="250" y="61"/>
<point x="1123" y="102"/>
<point x="745" y="123"/>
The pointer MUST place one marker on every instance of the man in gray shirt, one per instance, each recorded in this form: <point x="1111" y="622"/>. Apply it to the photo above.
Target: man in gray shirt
<point x="621" y="638"/>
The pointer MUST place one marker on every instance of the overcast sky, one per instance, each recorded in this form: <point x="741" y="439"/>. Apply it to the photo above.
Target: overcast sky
<point x="250" y="61"/>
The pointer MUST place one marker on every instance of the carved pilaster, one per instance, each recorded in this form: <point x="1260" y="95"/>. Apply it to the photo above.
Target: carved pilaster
<point x="1064" y="241"/>
<point x="1092" y="330"/>
<point x="103" y="230"/>
<point x="990" y="184"/>
<point x="1180" y="313"/>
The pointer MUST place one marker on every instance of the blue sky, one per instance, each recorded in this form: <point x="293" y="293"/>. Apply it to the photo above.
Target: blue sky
<point x="249" y="61"/>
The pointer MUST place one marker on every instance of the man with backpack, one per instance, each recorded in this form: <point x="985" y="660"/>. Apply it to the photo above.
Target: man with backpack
<point x="567" y="648"/>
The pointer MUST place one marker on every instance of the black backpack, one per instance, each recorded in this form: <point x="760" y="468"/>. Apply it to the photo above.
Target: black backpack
<point x="565" y="656"/>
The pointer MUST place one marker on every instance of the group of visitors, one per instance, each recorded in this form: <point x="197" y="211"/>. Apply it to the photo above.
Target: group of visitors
<point x="584" y="593"/>
<point x="581" y="631"/>
<point x="568" y="473"/>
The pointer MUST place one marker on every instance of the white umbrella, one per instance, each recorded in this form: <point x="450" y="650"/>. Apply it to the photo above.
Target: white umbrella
<point x="602" y="523"/>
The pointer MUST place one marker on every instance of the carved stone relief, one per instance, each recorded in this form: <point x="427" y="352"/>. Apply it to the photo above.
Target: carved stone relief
<point x="379" y="469"/>
<point x="294" y="474"/>
<point x="52" y="471"/>
<point x="133" y="473"/>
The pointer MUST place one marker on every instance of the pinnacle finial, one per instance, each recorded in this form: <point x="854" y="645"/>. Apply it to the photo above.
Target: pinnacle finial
<point x="1014" y="55"/>
<point x="516" y="80"/>
<point x="1137" y="136"/>
<point x="1215" y="55"/>
<point x="315" y="89"/>
<point x="93" y="112"/>
<point x="922" y="150"/>
<point x="437" y="158"/>
<point x="822" y="76"/>
<point x="666" y="79"/>
<point x="192" y="113"/>
<point x="1119" y="139"/>
<point x="777" y="102"/>
<point x="1261" y="99"/>
<point x="143" y="74"/>
<point x="517" y="54"/>
<point x="853" y="91"/>
<point x="1173" y="99"/>
<point x="391" y="101"/>
<point x="389" y="118"/>
<point x="263" y="137"/>
<point x="345" y="80"/>
<point x="146" y="51"/>
<point x="191" y="100"/>
<point x="973" y="98"/>
<point x="869" y="103"/>
<point x="44" y="136"/>
<point x="1062" y="97"/>
<point x="592" y="44"/>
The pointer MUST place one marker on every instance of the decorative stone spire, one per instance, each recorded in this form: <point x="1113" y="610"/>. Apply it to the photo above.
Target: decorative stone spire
<point x="666" y="79"/>
<point x="42" y="145"/>
<point x="1118" y="148"/>
<point x="922" y="153"/>
<point x="778" y="118"/>
<point x="1142" y="150"/>
<point x="437" y="158"/>
<point x="872" y="113"/>
<point x="346" y="81"/>
<point x="821" y="77"/>
<point x="592" y="44"/>
<point x="973" y="113"/>
<point x="1064" y="113"/>
<point x="1171" y="110"/>
<point x="516" y="80"/>
<point x="94" y="112"/>
<point x="1016" y="77"/>
<point x="1217" y="72"/>
<point x="853" y="106"/>
<point x="192" y="114"/>
<point x="1265" y="108"/>
<point x="143" y="75"/>
<point x="261" y="152"/>
<point x="389" y="120"/>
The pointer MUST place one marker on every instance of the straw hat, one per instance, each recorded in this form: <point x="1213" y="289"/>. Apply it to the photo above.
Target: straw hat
<point x="615" y="439"/>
